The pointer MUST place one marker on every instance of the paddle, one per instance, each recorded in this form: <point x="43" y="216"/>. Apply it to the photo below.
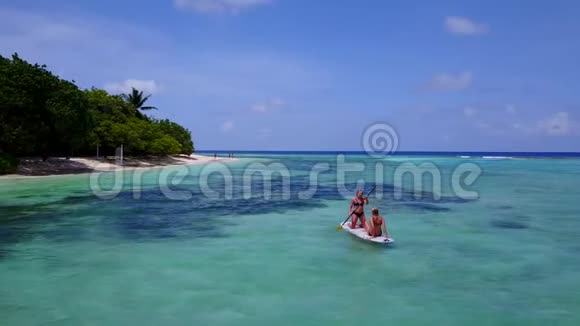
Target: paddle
<point x="339" y="227"/>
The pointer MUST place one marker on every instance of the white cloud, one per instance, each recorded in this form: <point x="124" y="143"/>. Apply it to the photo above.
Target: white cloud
<point x="124" y="87"/>
<point x="267" y="106"/>
<point x="261" y="108"/>
<point x="464" y="26"/>
<point x="557" y="125"/>
<point x="519" y="126"/>
<point x="219" y="6"/>
<point x="499" y="123"/>
<point x="482" y="125"/>
<point x="510" y="109"/>
<point x="223" y="76"/>
<point x="227" y="126"/>
<point x="450" y="82"/>
<point x="469" y="111"/>
<point x="67" y="43"/>
<point x="90" y="50"/>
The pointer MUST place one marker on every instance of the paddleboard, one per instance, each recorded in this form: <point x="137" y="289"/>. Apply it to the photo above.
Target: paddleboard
<point x="362" y="234"/>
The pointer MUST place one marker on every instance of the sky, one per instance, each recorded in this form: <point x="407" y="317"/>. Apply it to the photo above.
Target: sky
<point x="314" y="75"/>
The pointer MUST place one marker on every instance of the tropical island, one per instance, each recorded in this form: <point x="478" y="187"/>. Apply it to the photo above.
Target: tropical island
<point x="43" y="116"/>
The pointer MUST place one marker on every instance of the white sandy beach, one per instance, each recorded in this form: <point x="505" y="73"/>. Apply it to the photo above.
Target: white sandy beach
<point x="31" y="168"/>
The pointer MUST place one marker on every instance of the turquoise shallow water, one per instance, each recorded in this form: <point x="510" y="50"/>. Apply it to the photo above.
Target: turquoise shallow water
<point x="510" y="256"/>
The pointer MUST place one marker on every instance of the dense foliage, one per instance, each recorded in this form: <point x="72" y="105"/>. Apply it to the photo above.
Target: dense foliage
<point x="8" y="163"/>
<point x="137" y="99"/>
<point x="43" y="115"/>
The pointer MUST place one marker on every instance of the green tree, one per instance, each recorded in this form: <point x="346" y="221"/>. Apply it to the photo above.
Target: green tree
<point x="182" y="135"/>
<point x="40" y="113"/>
<point x="137" y="100"/>
<point x="166" y="145"/>
<point x="24" y="91"/>
<point x="72" y="120"/>
<point x="8" y="163"/>
<point x="112" y="107"/>
<point x="110" y="114"/>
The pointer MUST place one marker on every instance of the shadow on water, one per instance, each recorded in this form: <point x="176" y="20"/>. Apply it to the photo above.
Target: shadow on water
<point x="424" y="207"/>
<point x="501" y="207"/>
<point x="153" y="216"/>
<point x="506" y="224"/>
<point x="513" y="222"/>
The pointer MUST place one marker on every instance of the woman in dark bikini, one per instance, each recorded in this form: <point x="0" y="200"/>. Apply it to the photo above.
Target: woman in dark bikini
<point x="377" y="225"/>
<point x="357" y="210"/>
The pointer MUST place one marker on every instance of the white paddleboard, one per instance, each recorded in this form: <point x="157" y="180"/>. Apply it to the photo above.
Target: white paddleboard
<point x="361" y="233"/>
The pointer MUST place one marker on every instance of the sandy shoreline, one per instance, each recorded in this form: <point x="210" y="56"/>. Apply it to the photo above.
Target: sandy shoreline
<point x="34" y="168"/>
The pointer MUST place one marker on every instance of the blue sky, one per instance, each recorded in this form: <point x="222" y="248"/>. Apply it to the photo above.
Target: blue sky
<point x="312" y="75"/>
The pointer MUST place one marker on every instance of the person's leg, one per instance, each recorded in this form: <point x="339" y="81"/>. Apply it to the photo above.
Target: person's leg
<point x="363" y="222"/>
<point x="354" y="219"/>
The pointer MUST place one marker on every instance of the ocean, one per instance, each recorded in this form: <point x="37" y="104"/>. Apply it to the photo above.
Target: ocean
<point x="481" y="239"/>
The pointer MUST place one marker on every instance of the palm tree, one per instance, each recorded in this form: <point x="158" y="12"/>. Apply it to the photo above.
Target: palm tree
<point x="137" y="100"/>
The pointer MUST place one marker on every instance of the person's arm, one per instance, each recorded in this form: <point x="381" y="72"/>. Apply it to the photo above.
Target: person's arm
<point x="372" y="228"/>
<point x="366" y="200"/>
<point x="385" y="228"/>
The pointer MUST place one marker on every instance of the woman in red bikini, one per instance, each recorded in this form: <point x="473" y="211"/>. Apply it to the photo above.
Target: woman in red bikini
<point x="357" y="210"/>
<point x="377" y="225"/>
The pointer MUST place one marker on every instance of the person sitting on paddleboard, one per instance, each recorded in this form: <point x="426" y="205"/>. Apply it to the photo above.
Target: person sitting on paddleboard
<point x="377" y="224"/>
<point x="357" y="210"/>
